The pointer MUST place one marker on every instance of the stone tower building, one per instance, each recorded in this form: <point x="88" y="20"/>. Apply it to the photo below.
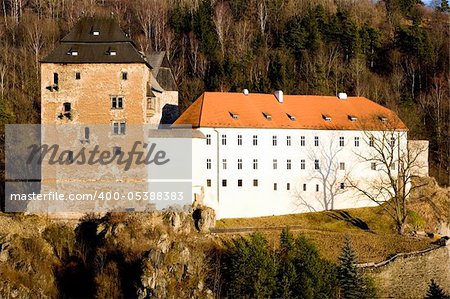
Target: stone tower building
<point x="97" y="76"/>
<point x="97" y="89"/>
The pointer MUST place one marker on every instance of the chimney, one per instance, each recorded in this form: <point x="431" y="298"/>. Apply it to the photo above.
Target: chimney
<point x="342" y="96"/>
<point x="279" y="95"/>
<point x="245" y="92"/>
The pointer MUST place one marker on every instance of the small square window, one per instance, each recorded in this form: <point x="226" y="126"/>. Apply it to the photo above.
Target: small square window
<point x="224" y="183"/>
<point x="239" y="183"/>
<point x="77" y="76"/>
<point x="341" y="166"/>
<point x="208" y="183"/>
<point x="342" y="186"/>
<point x="255" y="183"/>
<point x="117" y="150"/>
<point x="373" y="166"/>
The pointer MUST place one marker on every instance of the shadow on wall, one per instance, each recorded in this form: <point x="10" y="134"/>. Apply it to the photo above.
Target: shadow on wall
<point x="345" y="216"/>
<point x="170" y="113"/>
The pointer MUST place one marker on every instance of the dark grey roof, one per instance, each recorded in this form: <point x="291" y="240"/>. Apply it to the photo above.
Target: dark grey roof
<point x="108" y="29"/>
<point x="161" y="70"/>
<point x="95" y="48"/>
<point x="95" y="53"/>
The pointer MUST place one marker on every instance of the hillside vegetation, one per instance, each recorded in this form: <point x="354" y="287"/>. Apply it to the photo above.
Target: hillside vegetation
<point x="395" y="52"/>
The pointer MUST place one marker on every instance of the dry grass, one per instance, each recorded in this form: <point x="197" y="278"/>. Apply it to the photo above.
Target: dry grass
<point x="371" y="230"/>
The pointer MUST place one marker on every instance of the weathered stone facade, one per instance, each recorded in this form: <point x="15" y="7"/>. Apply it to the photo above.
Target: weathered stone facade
<point x="409" y="277"/>
<point x="95" y="67"/>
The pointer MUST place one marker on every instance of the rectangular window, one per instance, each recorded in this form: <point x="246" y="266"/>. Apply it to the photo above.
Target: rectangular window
<point x="239" y="183"/>
<point x="224" y="139"/>
<point x="342" y="186"/>
<point x="356" y="141"/>
<point x="116" y="102"/>
<point x="208" y="163"/>
<point x="341" y="166"/>
<point x="288" y="140"/>
<point x="371" y="141"/>
<point x="117" y="150"/>
<point x="316" y="164"/>
<point x="124" y="76"/>
<point x="275" y="186"/>
<point x="55" y="79"/>
<point x="77" y="76"/>
<point x="239" y="163"/>
<point x="373" y="166"/>
<point x="289" y="164"/>
<point x="208" y="139"/>
<point x="302" y="164"/>
<point x="224" y="163"/>
<point x="302" y="141"/>
<point x="392" y="141"/>
<point x="86" y="134"/>
<point x="317" y="187"/>
<point x="239" y="139"/>
<point x="392" y="166"/>
<point x="208" y="183"/>
<point x="274" y="140"/>
<point x="316" y="140"/>
<point x="255" y="140"/>
<point x="70" y="157"/>
<point x="341" y="141"/>
<point x="304" y="187"/>
<point x="255" y="183"/>
<point x="255" y="163"/>
<point x="67" y="107"/>
<point x="119" y="128"/>
<point x="275" y="163"/>
<point x="224" y="183"/>
<point x="288" y="186"/>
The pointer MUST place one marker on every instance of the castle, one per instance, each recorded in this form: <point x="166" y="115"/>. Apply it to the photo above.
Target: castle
<point x="252" y="154"/>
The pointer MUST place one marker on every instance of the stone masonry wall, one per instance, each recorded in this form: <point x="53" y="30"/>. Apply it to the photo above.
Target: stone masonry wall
<point x="409" y="277"/>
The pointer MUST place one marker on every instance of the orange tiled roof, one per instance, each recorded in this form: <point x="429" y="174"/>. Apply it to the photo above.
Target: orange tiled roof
<point x="216" y="109"/>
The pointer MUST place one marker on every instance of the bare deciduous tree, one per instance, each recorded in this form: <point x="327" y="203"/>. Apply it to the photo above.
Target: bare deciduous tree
<point x="393" y="163"/>
<point x="329" y="174"/>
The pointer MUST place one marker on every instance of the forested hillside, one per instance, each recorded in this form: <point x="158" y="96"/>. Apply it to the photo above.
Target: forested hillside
<point x="395" y="52"/>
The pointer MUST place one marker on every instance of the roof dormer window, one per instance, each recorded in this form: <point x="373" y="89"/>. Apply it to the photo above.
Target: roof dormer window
<point x="326" y="117"/>
<point x="291" y="117"/>
<point x="73" y="52"/>
<point x="352" y="118"/>
<point x="383" y="119"/>
<point x="111" y="52"/>
<point x="234" y="115"/>
<point x="267" y="116"/>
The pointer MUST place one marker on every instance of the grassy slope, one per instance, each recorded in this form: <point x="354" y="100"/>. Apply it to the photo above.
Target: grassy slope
<point x="371" y="230"/>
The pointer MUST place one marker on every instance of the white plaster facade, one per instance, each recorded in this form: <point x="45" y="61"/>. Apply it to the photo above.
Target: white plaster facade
<point x="288" y="196"/>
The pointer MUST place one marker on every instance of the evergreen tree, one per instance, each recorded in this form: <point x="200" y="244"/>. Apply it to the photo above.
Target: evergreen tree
<point x="444" y="7"/>
<point x="435" y="292"/>
<point x="250" y="268"/>
<point x="351" y="281"/>
<point x="286" y="269"/>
